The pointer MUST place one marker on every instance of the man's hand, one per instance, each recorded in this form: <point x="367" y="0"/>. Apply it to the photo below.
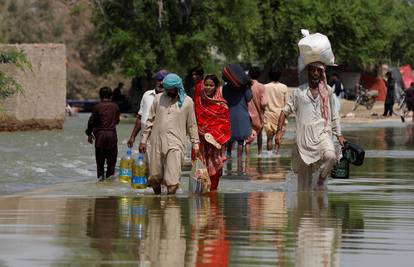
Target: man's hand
<point x="90" y="139"/>
<point x="142" y="148"/>
<point x="341" y="140"/>
<point x="278" y="137"/>
<point x="131" y="141"/>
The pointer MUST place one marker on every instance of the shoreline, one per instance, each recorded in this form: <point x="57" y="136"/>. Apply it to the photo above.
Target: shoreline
<point x="363" y="115"/>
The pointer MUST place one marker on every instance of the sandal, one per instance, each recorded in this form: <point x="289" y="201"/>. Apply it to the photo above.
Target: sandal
<point x="209" y="138"/>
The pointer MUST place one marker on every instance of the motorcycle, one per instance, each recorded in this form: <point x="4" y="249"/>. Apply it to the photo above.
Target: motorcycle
<point x="402" y="104"/>
<point x="402" y="109"/>
<point x="365" y="98"/>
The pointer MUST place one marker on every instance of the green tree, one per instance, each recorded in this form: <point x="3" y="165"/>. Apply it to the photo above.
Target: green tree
<point x="361" y="32"/>
<point x="141" y="35"/>
<point x="8" y="85"/>
<point x="402" y="49"/>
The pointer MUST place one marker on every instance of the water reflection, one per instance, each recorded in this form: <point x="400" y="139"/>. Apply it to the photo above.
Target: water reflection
<point x="209" y="245"/>
<point x="165" y="244"/>
<point x="232" y="229"/>
<point x="409" y="135"/>
<point x="389" y="138"/>
<point x="351" y="217"/>
<point x="286" y="229"/>
<point x="268" y="214"/>
<point x="147" y="230"/>
<point x="318" y="234"/>
<point x="260" y="168"/>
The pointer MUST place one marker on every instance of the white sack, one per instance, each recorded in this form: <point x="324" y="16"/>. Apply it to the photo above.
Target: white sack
<point x="314" y="47"/>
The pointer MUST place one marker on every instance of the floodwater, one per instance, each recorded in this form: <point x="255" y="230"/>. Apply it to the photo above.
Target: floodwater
<point x="52" y="213"/>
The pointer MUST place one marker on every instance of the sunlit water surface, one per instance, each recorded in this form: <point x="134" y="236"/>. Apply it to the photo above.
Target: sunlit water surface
<point x="53" y="213"/>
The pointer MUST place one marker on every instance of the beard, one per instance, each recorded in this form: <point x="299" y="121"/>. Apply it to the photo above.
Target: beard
<point x="159" y="89"/>
<point x="172" y="95"/>
<point x="315" y="79"/>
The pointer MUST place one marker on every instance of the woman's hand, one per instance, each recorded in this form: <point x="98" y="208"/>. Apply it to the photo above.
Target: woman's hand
<point x="142" y="148"/>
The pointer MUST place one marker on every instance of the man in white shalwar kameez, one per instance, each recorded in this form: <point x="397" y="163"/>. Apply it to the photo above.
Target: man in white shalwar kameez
<point x="164" y="138"/>
<point x="317" y="120"/>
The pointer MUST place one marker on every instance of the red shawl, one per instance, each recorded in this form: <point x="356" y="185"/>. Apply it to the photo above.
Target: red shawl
<point x="212" y="115"/>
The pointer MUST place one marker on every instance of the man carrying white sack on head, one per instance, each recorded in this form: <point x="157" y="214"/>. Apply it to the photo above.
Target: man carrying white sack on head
<point x="317" y="119"/>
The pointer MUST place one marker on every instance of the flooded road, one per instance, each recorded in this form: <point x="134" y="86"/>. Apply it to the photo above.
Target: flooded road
<point x="52" y="213"/>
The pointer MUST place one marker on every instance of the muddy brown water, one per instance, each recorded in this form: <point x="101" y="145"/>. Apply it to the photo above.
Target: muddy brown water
<point x="52" y="213"/>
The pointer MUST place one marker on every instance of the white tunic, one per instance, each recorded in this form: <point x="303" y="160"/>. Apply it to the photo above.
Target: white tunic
<point x="311" y="131"/>
<point x="145" y="106"/>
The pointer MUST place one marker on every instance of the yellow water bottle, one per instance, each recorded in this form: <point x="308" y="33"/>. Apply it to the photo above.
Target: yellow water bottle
<point x="125" y="216"/>
<point x="125" y="167"/>
<point x="139" y="218"/>
<point x="139" y="173"/>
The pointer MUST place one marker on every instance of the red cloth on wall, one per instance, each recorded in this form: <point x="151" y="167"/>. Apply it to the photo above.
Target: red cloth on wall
<point x="375" y="83"/>
<point x="407" y="75"/>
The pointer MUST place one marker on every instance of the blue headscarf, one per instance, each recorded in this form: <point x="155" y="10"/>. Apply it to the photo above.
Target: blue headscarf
<point x="172" y="80"/>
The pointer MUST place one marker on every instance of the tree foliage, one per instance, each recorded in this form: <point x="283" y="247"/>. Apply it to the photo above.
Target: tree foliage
<point x="141" y="35"/>
<point x="8" y="85"/>
<point x="361" y="32"/>
<point x="145" y="35"/>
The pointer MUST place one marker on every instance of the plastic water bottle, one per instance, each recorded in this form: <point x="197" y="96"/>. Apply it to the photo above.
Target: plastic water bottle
<point x="139" y="173"/>
<point x="125" y="167"/>
<point x="139" y="218"/>
<point x="125" y="216"/>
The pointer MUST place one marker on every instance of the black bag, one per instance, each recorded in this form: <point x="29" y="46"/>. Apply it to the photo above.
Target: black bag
<point x="341" y="169"/>
<point x="354" y="153"/>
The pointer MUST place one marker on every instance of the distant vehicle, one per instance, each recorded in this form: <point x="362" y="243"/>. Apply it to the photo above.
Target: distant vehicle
<point x="402" y="105"/>
<point x="83" y="105"/>
<point x="365" y="97"/>
<point x="350" y="93"/>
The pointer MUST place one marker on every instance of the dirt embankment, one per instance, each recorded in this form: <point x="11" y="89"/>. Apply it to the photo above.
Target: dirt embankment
<point x="362" y="114"/>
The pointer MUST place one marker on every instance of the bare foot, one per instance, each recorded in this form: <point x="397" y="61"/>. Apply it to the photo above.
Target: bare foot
<point x="172" y="189"/>
<point x="155" y="186"/>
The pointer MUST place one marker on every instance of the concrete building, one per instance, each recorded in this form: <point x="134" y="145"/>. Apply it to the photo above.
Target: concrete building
<point x="42" y="103"/>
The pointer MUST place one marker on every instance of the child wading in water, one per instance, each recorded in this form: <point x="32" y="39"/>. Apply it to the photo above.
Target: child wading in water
<point x="102" y="128"/>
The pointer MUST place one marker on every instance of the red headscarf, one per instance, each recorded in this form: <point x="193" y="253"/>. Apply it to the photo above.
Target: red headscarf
<point x="213" y="115"/>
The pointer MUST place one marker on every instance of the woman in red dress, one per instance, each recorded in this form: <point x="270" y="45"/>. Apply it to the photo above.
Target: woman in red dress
<point x="213" y="119"/>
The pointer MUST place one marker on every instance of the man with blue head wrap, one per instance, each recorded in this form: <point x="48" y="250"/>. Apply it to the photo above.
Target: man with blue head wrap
<point x="164" y="138"/>
<point x="146" y="103"/>
<point x="174" y="87"/>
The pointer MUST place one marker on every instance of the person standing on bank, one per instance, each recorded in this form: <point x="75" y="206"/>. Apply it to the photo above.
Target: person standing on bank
<point x="102" y="128"/>
<point x="256" y="110"/>
<point x="409" y="99"/>
<point x="389" y="100"/>
<point x="145" y="106"/>
<point x="170" y="120"/>
<point x="213" y="119"/>
<point x="237" y="93"/>
<point x="337" y="86"/>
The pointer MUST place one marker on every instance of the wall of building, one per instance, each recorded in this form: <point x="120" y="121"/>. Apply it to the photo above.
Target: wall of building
<point x="42" y="103"/>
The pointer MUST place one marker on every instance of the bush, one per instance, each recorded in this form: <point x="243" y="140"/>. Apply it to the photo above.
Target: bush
<point x="8" y="85"/>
